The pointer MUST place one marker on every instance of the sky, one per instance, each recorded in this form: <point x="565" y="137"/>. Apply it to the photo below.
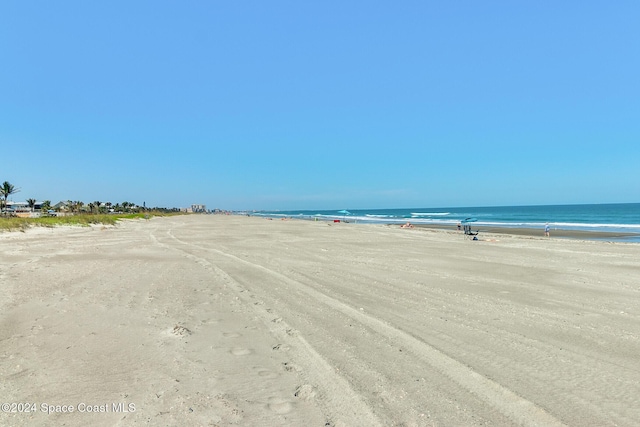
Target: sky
<point x="321" y="104"/>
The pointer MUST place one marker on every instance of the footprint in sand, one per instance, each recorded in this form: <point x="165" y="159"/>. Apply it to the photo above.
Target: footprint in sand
<point x="291" y="367"/>
<point x="179" y="331"/>
<point x="231" y="335"/>
<point x="282" y="347"/>
<point x="279" y="405"/>
<point x="305" y="392"/>
<point x="265" y="373"/>
<point x="240" y="351"/>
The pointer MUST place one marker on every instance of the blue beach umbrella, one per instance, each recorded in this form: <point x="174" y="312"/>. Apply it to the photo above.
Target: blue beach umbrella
<point x="467" y="227"/>
<point x="345" y="213"/>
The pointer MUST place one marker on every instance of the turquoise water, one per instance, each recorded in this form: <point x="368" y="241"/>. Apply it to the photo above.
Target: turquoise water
<point x="620" y="218"/>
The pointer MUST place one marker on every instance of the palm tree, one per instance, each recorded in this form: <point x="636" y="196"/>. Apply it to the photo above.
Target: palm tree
<point x="45" y="206"/>
<point x="77" y="205"/>
<point x="97" y="205"/>
<point x="31" y="203"/>
<point x="5" y="191"/>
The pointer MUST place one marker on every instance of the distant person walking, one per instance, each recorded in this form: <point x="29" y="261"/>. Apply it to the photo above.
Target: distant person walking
<point x="546" y="229"/>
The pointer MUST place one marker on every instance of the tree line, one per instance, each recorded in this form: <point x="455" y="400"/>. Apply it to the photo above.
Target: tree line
<point x="77" y="206"/>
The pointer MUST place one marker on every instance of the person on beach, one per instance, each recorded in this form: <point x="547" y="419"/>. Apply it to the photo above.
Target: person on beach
<point x="546" y="229"/>
<point x="407" y="225"/>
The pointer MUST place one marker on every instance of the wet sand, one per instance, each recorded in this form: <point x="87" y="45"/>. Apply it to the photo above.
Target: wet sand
<point x="228" y="320"/>
<point x="554" y="233"/>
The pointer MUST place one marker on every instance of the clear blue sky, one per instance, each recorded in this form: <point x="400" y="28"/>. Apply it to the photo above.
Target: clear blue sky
<point x="325" y="104"/>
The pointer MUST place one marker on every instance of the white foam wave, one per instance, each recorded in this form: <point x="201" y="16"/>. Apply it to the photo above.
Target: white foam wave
<point x="430" y="213"/>
<point x="568" y="225"/>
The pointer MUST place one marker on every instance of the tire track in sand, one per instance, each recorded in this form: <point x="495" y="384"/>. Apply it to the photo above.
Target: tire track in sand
<point x="343" y="405"/>
<point x="513" y="406"/>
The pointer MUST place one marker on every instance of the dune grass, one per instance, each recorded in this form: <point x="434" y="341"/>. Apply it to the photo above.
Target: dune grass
<point x="82" y="220"/>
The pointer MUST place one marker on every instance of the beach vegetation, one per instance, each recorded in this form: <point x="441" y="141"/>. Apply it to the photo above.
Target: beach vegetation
<point x="82" y="219"/>
<point x="71" y="213"/>
<point x="31" y="203"/>
<point x="6" y="190"/>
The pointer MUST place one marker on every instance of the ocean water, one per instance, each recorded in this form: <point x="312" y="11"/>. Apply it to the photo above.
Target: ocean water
<point x="618" y="218"/>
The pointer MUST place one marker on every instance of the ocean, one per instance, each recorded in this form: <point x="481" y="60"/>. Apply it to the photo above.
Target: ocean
<point x="616" y="218"/>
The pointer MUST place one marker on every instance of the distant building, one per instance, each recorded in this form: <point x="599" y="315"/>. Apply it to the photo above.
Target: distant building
<point x="198" y="208"/>
<point x="22" y="206"/>
<point x="60" y="206"/>
<point x="22" y="209"/>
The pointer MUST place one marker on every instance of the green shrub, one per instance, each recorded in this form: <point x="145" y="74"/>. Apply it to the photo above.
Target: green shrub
<point x="82" y="220"/>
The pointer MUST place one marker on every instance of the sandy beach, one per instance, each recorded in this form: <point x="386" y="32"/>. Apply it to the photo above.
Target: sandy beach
<point x="607" y="236"/>
<point x="212" y="320"/>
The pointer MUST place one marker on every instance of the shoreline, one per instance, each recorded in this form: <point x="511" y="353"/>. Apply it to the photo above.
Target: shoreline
<point x="619" y="234"/>
<point x="558" y="233"/>
<point x="618" y="237"/>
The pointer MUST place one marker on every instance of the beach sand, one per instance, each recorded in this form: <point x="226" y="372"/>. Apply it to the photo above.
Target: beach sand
<point x="226" y="320"/>
<point x="538" y="232"/>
